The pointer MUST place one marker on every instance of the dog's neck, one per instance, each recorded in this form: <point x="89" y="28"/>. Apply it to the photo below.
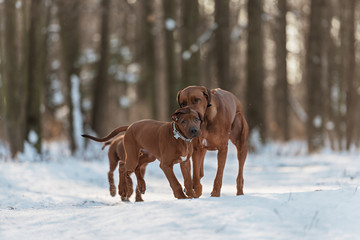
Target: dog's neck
<point x="177" y="134"/>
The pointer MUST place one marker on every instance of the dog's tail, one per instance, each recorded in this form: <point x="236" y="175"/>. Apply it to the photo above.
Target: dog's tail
<point x="108" y="137"/>
<point x="105" y="144"/>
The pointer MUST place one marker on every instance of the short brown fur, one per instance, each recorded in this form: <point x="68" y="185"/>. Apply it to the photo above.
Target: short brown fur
<point x="223" y="120"/>
<point x="158" y="139"/>
<point x="116" y="156"/>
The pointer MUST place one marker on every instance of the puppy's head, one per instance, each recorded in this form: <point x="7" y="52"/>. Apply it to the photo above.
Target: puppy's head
<point x="196" y="97"/>
<point x="187" y="122"/>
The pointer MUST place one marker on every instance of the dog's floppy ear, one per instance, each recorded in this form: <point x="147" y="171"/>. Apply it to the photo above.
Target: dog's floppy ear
<point x="178" y="97"/>
<point x="207" y="95"/>
<point x="175" y="115"/>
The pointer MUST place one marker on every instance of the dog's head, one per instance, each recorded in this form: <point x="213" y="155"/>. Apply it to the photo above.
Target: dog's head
<point x="196" y="97"/>
<point x="187" y="122"/>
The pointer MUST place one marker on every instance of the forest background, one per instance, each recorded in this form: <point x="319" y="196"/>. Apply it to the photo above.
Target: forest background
<point x="74" y="66"/>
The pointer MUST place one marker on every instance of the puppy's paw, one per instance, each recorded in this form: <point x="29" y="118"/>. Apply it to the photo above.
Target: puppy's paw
<point x="190" y="193"/>
<point x="138" y="197"/>
<point x="112" y="190"/>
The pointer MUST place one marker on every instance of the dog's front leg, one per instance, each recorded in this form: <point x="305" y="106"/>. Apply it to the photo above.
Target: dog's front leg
<point x="185" y="170"/>
<point x="222" y="153"/>
<point x="174" y="183"/>
<point x="197" y="159"/>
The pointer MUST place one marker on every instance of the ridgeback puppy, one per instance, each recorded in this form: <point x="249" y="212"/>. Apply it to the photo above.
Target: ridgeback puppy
<point x="116" y="155"/>
<point x="223" y="120"/>
<point x="170" y="142"/>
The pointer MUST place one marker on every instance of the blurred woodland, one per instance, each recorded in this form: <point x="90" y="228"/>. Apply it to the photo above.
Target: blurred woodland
<point x="74" y="66"/>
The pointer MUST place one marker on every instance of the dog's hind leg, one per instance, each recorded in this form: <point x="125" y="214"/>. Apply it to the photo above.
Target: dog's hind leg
<point x="113" y="161"/>
<point x="131" y="160"/>
<point x="125" y="183"/>
<point x="239" y="135"/>
<point x="144" y="158"/>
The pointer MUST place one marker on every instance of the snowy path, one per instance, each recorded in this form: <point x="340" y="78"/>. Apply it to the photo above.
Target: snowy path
<point x="287" y="196"/>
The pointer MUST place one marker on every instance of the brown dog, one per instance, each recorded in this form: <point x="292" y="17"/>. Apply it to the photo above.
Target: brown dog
<point x="223" y="120"/>
<point x="170" y="142"/>
<point x="116" y="156"/>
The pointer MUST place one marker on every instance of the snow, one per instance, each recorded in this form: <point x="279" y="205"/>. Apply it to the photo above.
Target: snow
<point x="170" y="24"/>
<point x="33" y="137"/>
<point x="288" y="195"/>
<point x="186" y="55"/>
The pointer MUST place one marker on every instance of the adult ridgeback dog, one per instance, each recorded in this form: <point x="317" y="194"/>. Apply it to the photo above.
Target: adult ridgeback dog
<point x="223" y="120"/>
<point x="116" y="155"/>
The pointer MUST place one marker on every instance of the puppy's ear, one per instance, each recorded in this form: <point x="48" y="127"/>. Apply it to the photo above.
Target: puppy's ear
<point x="175" y="115"/>
<point x="178" y="97"/>
<point x="207" y="95"/>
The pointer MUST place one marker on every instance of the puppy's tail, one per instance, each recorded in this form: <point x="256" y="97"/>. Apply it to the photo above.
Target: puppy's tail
<point x="105" y="144"/>
<point x="108" y="137"/>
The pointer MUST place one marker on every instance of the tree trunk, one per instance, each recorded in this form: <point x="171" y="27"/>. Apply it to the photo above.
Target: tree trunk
<point x="13" y="80"/>
<point x="281" y="86"/>
<point x="222" y="44"/>
<point x="348" y="68"/>
<point x="314" y="66"/>
<point x="255" y="70"/>
<point x="69" y="15"/>
<point x="146" y="57"/>
<point x="331" y="70"/>
<point x="101" y="84"/>
<point x="171" y="74"/>
<point x="190" y="64"/>
<point x="37" y="73"/>
<point x="162" y="110"/>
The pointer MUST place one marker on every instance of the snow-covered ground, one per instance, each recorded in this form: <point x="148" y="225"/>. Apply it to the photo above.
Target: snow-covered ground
<point x="288" y="195"/>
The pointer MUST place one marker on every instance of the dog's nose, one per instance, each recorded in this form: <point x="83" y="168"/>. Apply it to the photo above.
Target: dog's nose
<point x="193" y="131"/>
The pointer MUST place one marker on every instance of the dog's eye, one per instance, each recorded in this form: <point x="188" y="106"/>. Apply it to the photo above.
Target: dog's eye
<point x="196" y="119"/>
<point x="196" y="100"/>
<point x="183" y="104"/>
<point x="183" y="122"/>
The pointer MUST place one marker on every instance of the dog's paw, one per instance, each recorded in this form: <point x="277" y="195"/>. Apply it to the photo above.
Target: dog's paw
<point x="190" y="193"/>
<point x="138" y="197"/>
<point x="125" y="199"/>
<point x="180" y="195"/>
<point x="215" y="193"/>
<point x="142" y="186"/>
<point x="197" y="191"/>
<point x="112" y="190"/>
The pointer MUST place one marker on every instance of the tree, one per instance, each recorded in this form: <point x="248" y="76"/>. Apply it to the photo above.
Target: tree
<point x="190" y="60"/>
<point x="36" y="72"/>
<point x="101" y="84"/>
<point x="146" y="56"/>
<point x="169" y="7"/>
<point x="281" y="98"/>
<point x="69" y="15"/>
<point x="14" y="79"/>
<point x="314" y="78"/>
<point x="255" y="70"/>
<point x="222" y="44"/>
<point x="348" y="67"/>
